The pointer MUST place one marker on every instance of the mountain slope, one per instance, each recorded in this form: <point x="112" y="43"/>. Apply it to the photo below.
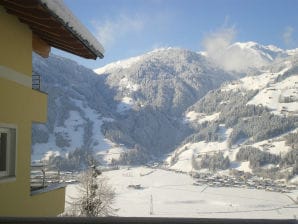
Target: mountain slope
<point x="76" y="108"/>
<point x="167" y="99"/>
<point x="157" y="88"/>
<point x="248" y="124"/>
<point x="135" y="106"/>
<point x="245" y="57"/>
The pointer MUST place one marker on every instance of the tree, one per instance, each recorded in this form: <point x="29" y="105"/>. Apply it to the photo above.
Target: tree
<point x="194" y="163"/>
<point x="96" y="195"/>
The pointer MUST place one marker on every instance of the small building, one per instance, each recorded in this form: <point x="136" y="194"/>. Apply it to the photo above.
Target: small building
<point x="31" y="26"/>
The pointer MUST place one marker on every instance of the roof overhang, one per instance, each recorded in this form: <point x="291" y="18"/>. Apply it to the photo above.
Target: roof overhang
<point x="53" y="23"/>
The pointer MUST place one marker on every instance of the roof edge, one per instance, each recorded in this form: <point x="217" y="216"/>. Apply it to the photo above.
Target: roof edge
<point x="60" y="12"/>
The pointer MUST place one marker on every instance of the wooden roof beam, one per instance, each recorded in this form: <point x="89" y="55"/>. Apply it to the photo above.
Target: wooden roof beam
<point x="37" y="14"/>
<point x="70" y="44"/>
<point x="40" y="47"/>
<point x="43" y="22"/>
<point x="63" y="46"/>
<point x="25" y="4"/>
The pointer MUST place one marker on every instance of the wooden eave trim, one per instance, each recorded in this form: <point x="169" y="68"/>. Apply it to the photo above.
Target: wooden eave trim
<point x="72" y="50"/>
<point x="70" y="44"/>
<point x="20" y="3"/>
<point x="91" y="50"/>
<point x="53" y="35"/>
<point x="40" y="46"/>
<point x="45" y="22"/>
<point x="63" y="37"/>
<point x="36" y="13"/>
<point x="42" y="29"/>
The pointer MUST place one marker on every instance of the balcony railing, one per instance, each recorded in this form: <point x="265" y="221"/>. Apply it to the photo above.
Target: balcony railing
<point x="36" y="82"/>
<point x="42" y="178"/>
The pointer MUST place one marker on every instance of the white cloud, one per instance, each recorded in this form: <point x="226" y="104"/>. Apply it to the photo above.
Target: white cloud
<point x="231" y="57"/>
<point x="217" y="42"/>
<point x="109" y="31"/>
<point x="288" y="36"/>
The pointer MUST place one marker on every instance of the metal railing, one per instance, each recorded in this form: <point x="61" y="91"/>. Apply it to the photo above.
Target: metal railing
<point x="36" y="82"/>
<point x="41" y="177"/>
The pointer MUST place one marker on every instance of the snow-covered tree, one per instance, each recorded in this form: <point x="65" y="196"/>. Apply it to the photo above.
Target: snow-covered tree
<point x="96" y="195"/>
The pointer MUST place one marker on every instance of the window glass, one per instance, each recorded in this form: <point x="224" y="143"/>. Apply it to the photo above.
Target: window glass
<point x="7" y="151"/>
<point x="3" y="152"/>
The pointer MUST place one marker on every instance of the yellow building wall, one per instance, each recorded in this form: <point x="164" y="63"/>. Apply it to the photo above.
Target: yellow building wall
<point x="20" y="105"/>
<point x="43" y="201"/>
<point x="16" y="44"/>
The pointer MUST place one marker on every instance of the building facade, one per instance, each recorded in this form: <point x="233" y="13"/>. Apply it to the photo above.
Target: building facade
<point x="22" y="32"/>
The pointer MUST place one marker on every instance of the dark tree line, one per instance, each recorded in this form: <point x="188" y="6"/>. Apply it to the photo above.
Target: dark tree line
<point x="78" y="159"/>
<point x="256" y="157"/>
<point x="292" y="140"/>
<point x="262" y="127"/>
<point x="135" y="156"/>
<point x="248" y="121"/>
<point x="213" y="162"/>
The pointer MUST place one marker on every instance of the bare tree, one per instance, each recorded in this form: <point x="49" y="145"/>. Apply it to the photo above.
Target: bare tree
<point x="96" y="195"/>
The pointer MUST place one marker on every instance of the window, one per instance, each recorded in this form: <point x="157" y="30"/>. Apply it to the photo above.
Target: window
<point x="7" y="151"/>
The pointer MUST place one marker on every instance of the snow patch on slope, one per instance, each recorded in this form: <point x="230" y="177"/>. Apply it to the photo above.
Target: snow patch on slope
<point x="200" y="118"/>
<point x="127" y="84"/>
<point x="281" y="97"/>
<point x="98" y="140"/>
<point x="250" y="82"/>
<point x="112" y="154"/>
<point x="125" y="104"/>
<point x="73" y="132"/>
<point x="255" y="82"/>
<point x="181" y="158"/>
<point x="241" y="166"/>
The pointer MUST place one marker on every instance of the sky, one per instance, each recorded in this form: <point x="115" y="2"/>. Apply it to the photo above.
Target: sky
<point x="128" y="28"/>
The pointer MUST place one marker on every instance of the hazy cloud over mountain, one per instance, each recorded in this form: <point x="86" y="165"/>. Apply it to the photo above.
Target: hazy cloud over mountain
<point x="232" y="57"/>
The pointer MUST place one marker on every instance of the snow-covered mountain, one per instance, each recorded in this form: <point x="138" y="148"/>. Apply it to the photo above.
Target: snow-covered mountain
<point x="246" y="57"/>
<point x="153" y="92"/>
<point x="248" y="124"/>
<point x="165" y="78"/>
<point x="79" y="103"/>
<point x="135" y="105"/>
<point x="173" y="101"/>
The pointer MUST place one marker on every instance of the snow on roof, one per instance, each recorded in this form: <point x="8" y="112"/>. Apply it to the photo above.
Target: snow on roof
<point x="59" y="10"/>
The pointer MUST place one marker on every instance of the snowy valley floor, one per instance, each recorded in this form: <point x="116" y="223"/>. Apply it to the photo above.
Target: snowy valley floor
<point x="169" y="194"/>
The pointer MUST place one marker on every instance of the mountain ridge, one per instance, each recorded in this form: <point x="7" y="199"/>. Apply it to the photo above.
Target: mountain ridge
<point x="142" y="105"/>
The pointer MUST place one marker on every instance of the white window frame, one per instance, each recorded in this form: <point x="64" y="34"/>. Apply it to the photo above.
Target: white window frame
<point x="10" y="150"/>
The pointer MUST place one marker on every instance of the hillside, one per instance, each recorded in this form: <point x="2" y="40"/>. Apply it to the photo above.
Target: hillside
<point x="171" y="101"/>
<point x="249" y="124"/>
<point x="131" y="107"/>
<point x="153" y="93"/>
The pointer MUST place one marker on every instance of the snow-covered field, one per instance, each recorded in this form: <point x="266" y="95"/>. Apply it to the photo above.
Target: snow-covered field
<point x="168" y="194"/>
